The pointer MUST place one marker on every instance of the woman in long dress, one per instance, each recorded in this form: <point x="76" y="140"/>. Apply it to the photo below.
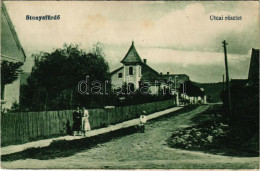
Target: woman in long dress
<point x="77" y="122"/>
<point x="85" y="122"/>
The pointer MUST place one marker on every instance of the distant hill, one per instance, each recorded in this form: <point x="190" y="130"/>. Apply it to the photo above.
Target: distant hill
<point x="211" y="89"/>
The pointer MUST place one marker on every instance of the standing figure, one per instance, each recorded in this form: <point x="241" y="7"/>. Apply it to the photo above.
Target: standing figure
<point x="68" y="128"/>
<point x="77" y="122"/>
<point x="142" y="121"/>
<point x="85" y="122"/>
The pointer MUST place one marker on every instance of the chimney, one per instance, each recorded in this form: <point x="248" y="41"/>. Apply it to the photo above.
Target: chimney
<point x="160" y="73"/>
<point x="145" y="61"/>
<point x="168" y="73"/>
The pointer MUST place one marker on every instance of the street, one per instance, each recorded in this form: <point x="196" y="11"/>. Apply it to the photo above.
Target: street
<point x="147" y="150"/>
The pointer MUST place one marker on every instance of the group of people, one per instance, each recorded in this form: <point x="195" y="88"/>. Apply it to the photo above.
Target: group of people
<point x="81" y="123"/>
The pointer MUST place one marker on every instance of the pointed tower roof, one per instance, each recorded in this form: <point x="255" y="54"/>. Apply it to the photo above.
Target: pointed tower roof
<point x="132" y="56"/>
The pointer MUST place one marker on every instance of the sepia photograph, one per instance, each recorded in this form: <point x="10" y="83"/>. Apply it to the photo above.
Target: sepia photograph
<point x="130" y="85"/>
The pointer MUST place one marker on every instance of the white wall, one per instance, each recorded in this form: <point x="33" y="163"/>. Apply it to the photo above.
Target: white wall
<point x="154" y="89"/>
<point x="135" y="78"/>
<point x="11" y="94"/>
<point x="117" y="82"/>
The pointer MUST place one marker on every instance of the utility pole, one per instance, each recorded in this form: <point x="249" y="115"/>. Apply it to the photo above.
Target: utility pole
<point x="175" y="81"/>
<point x="227" y="76"/>
<point x="223" y="83"/>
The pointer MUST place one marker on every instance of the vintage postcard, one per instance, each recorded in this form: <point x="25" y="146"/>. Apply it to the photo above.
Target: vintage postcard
<point x="130" y="84"/>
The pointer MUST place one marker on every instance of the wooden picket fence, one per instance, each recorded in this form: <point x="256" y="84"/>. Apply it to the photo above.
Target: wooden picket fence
<point x="26" y="126"/>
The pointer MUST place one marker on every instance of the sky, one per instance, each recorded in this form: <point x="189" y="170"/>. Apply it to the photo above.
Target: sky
<point x="175" y="37"/>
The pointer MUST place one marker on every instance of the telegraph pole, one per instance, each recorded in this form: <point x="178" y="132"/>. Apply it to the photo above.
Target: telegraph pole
<point x="223" y="83"/>
<point x="227" y="76"/>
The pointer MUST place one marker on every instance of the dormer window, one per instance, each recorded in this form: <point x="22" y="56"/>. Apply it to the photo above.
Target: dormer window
<point x="130" y="70"/>
<point x="120" y="75"/>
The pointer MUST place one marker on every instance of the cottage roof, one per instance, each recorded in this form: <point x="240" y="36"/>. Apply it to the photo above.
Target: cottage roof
<point x="132" y="57"/>
<point x="179" y="77"/>
<point x="149" y="73"/>
<point x="115" y="71"/>
<point x="11" y="48"/>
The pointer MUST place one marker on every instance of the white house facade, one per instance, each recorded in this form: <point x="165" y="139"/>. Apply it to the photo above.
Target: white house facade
<point x="136" y="73"/>
<point x="11" y="51"/>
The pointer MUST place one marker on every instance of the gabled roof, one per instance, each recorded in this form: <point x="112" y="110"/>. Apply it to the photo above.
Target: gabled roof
<point x="11" y="47"/>
<point x="132" y="57"/>
<point x="118" y="69"/>
<point x="149" y="73"/>
<point x="178" y="76"/>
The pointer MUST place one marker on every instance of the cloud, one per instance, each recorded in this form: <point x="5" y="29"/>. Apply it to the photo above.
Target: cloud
<point x="187" y="28"/>
<point x="178" y="33"/>
<point x="192" y="29"/>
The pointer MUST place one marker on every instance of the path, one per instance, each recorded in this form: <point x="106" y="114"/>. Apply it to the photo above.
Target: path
<point x="143" y="150"/>
<point x="46" y="142"/>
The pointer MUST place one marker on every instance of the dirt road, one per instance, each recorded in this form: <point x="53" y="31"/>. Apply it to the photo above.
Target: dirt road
<point x="143" y="150"/>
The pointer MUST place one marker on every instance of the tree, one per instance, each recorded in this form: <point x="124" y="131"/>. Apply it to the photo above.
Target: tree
<point x="9" y="73"/>
<point x="53" y="83"/>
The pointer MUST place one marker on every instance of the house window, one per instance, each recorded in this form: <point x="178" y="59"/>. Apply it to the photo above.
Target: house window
<point x="130" y="70"/>
<point x="131" y="87"/>
<point x="120" y="75"/>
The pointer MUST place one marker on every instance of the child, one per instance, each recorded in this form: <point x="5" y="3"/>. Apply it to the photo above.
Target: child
<point x="142" y="121"/>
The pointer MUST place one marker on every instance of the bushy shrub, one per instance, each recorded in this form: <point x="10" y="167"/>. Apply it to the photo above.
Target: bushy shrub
<point x="199" y="136"/>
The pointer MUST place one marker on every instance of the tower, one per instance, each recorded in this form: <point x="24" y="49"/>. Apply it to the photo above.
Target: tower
<point x="132" y="67"/>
